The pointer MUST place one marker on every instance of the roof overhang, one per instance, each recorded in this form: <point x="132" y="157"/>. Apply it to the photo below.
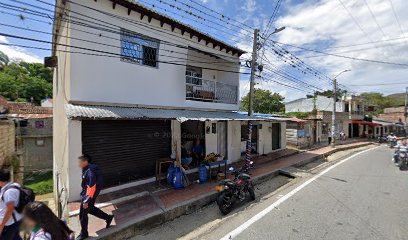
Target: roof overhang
<point x="366" y="123"/>
<point x="149" y="13"/>
<point x="92" y="112"/>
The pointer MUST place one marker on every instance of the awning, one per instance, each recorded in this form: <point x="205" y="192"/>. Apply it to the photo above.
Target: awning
<point x="383" y="123"/>
<point x="134" y="113"/>
<point x="366" y="123"/>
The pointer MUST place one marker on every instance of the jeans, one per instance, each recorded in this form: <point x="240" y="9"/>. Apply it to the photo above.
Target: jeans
<point x="11" y="232"/>
<point x="83" y="215"/>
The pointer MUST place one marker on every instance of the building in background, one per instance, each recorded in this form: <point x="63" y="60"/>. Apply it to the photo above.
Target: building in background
<point x="350" y="114"/>
<point x="33" y="135"/>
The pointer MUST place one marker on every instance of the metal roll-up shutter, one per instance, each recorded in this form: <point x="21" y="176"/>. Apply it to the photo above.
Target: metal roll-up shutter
<point x="126" y="150"/>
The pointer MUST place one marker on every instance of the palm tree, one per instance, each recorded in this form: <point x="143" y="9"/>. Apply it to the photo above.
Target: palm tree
<point x="4" y="60"/>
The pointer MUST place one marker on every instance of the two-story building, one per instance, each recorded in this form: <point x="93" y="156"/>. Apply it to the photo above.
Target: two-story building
<point x="141" y="86"/>
<point x="349" y="115"/>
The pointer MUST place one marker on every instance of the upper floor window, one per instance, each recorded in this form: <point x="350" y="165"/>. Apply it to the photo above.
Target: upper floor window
<point x="139" y="49"/>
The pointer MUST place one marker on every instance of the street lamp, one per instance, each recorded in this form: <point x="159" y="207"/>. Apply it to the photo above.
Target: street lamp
<point x="333" y="128"/>
<point x="276" y="31"/>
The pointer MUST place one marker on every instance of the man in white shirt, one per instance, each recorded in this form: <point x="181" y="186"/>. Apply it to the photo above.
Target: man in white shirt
<point x="10" y="219"/>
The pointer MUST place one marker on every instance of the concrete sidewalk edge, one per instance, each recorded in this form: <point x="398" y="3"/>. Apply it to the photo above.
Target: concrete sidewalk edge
<point x="154" y="219"/>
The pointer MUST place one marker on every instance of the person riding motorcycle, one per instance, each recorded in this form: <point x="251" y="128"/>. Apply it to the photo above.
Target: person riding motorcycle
<point x="401" y="146"/>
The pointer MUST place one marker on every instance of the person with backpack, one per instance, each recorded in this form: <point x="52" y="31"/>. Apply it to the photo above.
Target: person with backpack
<point x="13" y="199"/>
<point x="44" y="224"/>
<point x="91" y="187"/>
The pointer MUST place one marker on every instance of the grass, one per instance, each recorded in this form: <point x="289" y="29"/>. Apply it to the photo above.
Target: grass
<point x="40" y="182"/>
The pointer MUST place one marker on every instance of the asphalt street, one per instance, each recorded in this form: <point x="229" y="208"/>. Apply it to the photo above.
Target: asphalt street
<point x="362" y="196"/>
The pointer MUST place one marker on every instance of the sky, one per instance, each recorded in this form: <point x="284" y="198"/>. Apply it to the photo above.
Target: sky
<point x="365" y="29"/>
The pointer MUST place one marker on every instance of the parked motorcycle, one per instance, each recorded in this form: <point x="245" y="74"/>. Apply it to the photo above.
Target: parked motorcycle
<point x="402" y="154"/>
<point x="238" y="189"/>
<point x="381" y="139"/>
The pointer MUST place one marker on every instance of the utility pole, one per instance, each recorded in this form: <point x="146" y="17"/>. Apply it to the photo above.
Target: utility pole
<point x="251" y="96"/>
<point x="253" y="71"/>
<point x="333" y="128"/>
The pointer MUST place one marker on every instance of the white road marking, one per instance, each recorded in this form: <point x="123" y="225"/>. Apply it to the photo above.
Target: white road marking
<point x="273" y="206"/>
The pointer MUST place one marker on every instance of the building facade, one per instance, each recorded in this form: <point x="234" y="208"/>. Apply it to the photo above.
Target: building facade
<point x="33" y="135"/>
<point x="165" y="87"/>
<point x="350" y="113"/>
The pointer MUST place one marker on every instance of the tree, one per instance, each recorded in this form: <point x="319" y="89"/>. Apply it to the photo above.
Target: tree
<point x="381" y="101"/>
<point x="4" y="60"/>
<point x="265" y="101"/>
<point x="25" y="81"/>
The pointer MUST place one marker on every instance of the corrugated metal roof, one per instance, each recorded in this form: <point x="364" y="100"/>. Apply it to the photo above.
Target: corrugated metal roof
<point x="29" y="116"/>
<point x="119" y="112"/>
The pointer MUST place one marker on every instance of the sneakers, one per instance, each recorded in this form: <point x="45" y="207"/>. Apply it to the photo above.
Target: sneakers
<point x="109" y="221"/>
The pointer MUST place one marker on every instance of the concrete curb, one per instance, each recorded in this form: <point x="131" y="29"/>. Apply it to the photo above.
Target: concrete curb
<point x="137" y="226"/>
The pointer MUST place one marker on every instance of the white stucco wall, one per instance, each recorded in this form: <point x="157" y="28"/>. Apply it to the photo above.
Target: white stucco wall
<point x="234" y="141"/>
<point x="108" y="79"/>
<point x="74" y="149"/>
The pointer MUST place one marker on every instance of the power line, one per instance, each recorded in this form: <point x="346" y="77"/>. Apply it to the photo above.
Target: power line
<point x="189" y="12"/>
<point x="105" y="52"/>
<point x="342" y="56"/>
<point x="355" y="21"/>
<point x="104" y="28"/>
<point x="353" y="50"/>
<point x="119" y="47"/>
<point x="220" y="14"/>
<point x="380" y="84"/>
<point x="206" y="25"/>
<point x="396" y="17"/>
<point x="272" y="18"/>
<point x="375" y="19"/>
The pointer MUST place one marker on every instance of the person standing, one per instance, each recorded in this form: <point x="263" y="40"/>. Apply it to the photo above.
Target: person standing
<point x="91" y="187"/>
<point x="9" y="200"/>
<point x="330" y="136"/>
<point x="44" y="224"/>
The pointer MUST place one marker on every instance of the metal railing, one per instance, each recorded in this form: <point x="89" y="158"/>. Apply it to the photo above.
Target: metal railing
<point x="199" y="89"/>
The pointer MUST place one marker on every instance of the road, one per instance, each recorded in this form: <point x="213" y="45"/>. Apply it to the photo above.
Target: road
<point x="358" y="197"/>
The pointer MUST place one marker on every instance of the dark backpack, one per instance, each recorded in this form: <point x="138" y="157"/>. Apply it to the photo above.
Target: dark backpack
<point x="27" y="196"/>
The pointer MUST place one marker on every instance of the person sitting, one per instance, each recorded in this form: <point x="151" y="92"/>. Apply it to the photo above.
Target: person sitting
<point x="186" y="158"/>
<point x="198" y="152"/>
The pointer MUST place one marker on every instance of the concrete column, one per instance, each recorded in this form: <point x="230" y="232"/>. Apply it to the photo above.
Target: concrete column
<point x="176" y="139"/>
<point x="74" y="150"/>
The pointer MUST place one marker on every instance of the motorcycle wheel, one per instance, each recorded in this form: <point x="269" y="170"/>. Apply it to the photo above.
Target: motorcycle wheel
<point x="224" y="206"/>
<point x="219" y="198"/>
<point x="251" y="193"/>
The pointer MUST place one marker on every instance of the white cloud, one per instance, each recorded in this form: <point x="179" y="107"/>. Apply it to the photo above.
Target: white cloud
<point x="316" y="25"/>
<point x="17" y="53"/>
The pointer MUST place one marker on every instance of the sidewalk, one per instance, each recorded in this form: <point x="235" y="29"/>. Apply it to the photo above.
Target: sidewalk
<point x="139" y="207"/>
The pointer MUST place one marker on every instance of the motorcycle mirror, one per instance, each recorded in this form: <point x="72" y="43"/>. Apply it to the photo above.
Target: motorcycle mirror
<point x="231" y="169"/>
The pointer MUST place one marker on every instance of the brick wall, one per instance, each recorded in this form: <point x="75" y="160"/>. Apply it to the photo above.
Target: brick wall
<point x="7" y="139"/>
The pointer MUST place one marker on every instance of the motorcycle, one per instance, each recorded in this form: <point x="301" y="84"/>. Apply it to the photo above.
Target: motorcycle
<point x="392" y="142"/>
<point x="238" y="189"/>
<point x="402" y="154"/>
<point x="382" y="139"/>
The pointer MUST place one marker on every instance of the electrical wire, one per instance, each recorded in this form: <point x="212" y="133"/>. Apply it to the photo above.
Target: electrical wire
<point x="108" y="53"/>
<point x="342" y="56"/>
<point x="106" y="28"/>
<point x="220" y="14"/>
